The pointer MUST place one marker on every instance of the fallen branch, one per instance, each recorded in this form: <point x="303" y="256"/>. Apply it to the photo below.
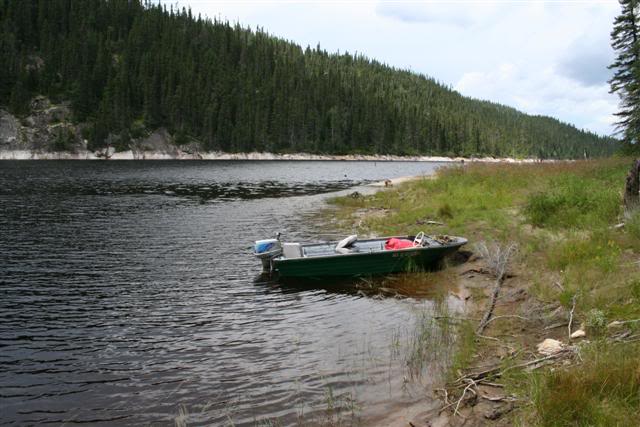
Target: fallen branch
<point x="532" y="364"/>
<point x="492" y="305"/>
<point x="626" y="337"/>
<point x="573" y="307"/>
<point x="556" y="325"/>
<point x="498" y="259"/>
<point x="464" y="392"/>
<point x="490" y="384"/>
<point x="621" y="322"/>
<point x="454" y="318"/>
<point x="498" y="398"/>
<point x="428" y="222"/>
<point x="446" y="394"/>
<point x="487" y="338"/>
<point x="476" y="270"/>
<point x="507" y="316"/>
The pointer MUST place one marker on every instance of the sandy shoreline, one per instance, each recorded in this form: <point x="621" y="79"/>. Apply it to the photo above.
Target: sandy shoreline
<point x="179" y="155"/>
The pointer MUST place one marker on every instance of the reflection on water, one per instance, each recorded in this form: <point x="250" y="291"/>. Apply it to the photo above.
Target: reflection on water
<point x="128" y="297"/>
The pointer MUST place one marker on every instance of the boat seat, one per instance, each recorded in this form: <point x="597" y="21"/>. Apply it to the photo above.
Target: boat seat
<point x="343" y="245"/>
<point x="292" y="250"/>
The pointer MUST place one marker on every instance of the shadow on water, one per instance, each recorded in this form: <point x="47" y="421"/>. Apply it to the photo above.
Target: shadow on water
<point x="432" y="284"/>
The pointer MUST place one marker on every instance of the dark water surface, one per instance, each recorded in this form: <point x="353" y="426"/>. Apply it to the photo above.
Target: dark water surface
<point x="128" y="296"/>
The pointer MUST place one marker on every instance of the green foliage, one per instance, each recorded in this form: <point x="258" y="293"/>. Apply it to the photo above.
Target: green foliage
<point x="19" y="99"/>
<point x="444" y="211"/>
<point x="238" y="90"/>
<point x="626" y="66"/>
<point x="596" y="321"/>
<point x="64" y="141"/>
<point x="597" y="250"/>
<point x="137" y="129"/>
<point x="466" y="348"/>
<point x="180" y="138"/>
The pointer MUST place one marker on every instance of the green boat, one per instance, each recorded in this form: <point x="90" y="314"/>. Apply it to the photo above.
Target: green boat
<point x="353" y="257"/>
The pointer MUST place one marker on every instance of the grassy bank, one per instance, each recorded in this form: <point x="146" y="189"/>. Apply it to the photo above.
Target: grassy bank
<point x="571" y="264"/>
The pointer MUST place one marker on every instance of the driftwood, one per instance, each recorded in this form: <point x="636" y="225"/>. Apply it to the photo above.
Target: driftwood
<point x="498" y="260"/>
<point x="497" y="372"/>
<point x="492" y="306"/>
<point x="632" y="189"/>
<point x="469" y="383"/>
<point x="573" y="308"/>
<point x="556" y="325"/>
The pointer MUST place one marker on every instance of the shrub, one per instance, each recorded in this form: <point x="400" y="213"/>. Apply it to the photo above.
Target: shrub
<point x="596" y="321"/>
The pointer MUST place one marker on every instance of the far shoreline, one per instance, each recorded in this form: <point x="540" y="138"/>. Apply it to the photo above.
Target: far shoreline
<point x="251" y="156"/>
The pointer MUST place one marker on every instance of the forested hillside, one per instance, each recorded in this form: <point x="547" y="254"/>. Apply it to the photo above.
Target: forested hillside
<point x="129" y="68"/>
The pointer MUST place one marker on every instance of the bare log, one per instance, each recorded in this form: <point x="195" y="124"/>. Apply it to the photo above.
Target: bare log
<point x="498" y="260"/>
<point x="508" y="316"/>
<point x="464" y="392"/>
<point x="532" y="364"/>
<point x="573" y="308"/>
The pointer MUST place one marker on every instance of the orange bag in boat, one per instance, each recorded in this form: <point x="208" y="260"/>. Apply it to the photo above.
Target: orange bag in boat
<point x="395" y="243"/>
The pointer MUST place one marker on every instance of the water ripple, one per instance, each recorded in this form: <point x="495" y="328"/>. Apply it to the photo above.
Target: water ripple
<point x="128" y="287"/>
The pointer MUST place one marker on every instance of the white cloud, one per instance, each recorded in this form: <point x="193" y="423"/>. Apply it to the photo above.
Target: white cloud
<point x="460" y="14"/>
<point x="543" y="57"/>
<point x="544" y="91"/>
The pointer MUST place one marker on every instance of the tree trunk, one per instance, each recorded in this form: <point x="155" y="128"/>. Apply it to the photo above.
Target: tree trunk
<point x="632" y="189"/>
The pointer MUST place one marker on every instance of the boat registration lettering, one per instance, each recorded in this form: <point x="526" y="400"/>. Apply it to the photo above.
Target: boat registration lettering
<point x="404" y="254"/>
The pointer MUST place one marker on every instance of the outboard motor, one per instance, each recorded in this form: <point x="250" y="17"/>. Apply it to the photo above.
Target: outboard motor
<point x="266" y="250"/>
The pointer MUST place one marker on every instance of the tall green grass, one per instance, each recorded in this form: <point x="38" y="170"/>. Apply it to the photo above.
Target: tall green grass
<point x="575" y="202"/>
<point x="604" y="390"/>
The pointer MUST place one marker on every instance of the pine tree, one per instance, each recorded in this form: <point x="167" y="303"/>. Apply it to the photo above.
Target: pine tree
<point x="625" y="40"/>
<point x="19" y="99"/>
<point x="131" y="66"/>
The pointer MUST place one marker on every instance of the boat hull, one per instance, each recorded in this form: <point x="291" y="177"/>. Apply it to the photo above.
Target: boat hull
<point x="365" y="264"/>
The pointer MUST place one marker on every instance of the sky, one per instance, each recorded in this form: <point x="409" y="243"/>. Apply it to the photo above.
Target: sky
<point x="541" y="57"/>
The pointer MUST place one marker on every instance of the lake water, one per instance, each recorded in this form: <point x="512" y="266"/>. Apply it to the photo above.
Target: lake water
<point x="129" y="296"/>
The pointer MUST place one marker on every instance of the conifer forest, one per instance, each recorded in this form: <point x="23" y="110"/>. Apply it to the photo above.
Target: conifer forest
<point x="129" y="67"/>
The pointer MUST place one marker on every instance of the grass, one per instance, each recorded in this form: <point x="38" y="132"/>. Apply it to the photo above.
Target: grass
<point x="561" y="216"/>
<point x="430" y="341"/>
<point x="604" y="390"/>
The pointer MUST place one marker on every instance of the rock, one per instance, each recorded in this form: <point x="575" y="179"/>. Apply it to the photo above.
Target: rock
<point x="46" y="132"/>
<point x="9" y="126"/>
<point x="580" y="333"/>
<point x="159" y="140"/>
<point x="550" y="346"/>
